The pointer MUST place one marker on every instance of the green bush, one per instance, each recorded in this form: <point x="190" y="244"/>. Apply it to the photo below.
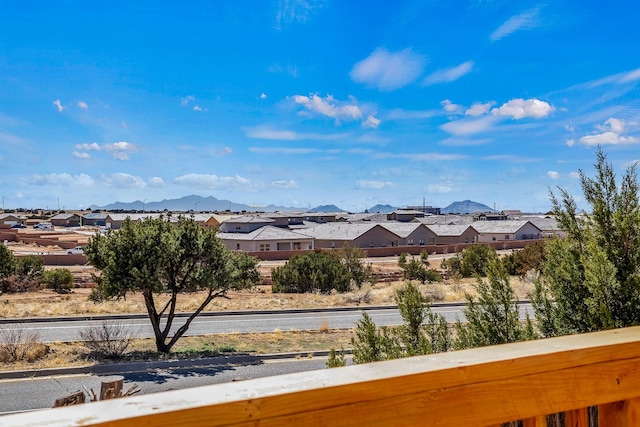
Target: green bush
<point x="422" y="331"/>
<point x="58" y="279"/>
<point x="416" y="269"/>
<point x="470" y="262"/>
<point x="316" y="271"/>
<point x="336" y="359"/>
<point x="529" y="258"/>
<point x="7" y="267"/>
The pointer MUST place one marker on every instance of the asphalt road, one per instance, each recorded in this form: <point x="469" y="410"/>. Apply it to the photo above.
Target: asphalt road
<point x="40" y="393"/>
<point x="69" y="330"/>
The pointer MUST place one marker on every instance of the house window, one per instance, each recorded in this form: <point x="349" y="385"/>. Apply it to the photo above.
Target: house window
<point x="421" y="242"/>
<point x="265" y="247"/>
<point x="493" y="238"/>
<point x="409" y="242"/>
<point x="237" y="246"/>
<point x="296" y="246"/>
<point x="506" y="237"/>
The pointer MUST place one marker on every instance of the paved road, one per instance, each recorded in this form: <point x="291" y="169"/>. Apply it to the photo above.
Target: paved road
<point x="40" y="393"/>
<point x="65" y="331"/>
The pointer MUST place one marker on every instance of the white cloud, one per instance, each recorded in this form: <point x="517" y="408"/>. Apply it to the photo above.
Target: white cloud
<point x="121" y="150"/>
<point x="520" y="108"/>
<point x="574" y="175"/>
<point x="373" y="185"/>
<point x="83" y="105"/>
<point x="523" y="21"/>
<point x="614" y="125"/>
<point x="186" y="100"/>
<point x="88" y="147"/>
<point x="620" y="78"/>
<point x="607" y="138"/>
<point x="447" y="75"/>
<point x="263" y="96"/>
<point x="123" y="180"/>
<point x="81" y="180"/>
<point x="329" y="107"/>
<point x="222" y="152"/>
<point x="553" y="174"/>
<point x="262" y="132"/>
<point x="571" y="142"/>
<point x="469" y="126"/>
<point x="284" y="183"/>
<point x="388" y="71"/>
<point x="371" y="122"/>
<point x="156" y="182"/>
<point x="79" y="155"/>
<point x="197" y="108"/>
<point x="479" y="109"/>
<point x="611" y="134"/>
<point x="450" y="107"/>
<point x="440" y="188"/>
<point x="58" y="105"/>
<point x="212" y="181"/>
<point x="295" y="11"/>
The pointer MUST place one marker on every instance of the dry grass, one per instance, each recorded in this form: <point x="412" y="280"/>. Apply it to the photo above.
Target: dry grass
<point x="76" y="354"/>
<point x="46" y="303"/>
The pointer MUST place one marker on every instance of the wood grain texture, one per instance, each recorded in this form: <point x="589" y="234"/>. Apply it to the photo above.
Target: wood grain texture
<point x="479" y="387"/>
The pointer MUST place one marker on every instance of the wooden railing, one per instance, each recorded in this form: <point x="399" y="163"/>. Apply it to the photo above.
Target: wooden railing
<point x="480" y="387"/>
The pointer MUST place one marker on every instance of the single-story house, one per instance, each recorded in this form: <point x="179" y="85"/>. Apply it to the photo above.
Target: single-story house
<point x="452" y="234"/>
<point x="114" y="220"/>
<point x="11" y="219"/>
<point x="267" y="238"/>
<point x="97" y="219"/>
<point x="410" y="234"/>
<point x="357" y="235"/>
<point x="404" y="215"/>
<point x="244" y="224"/>
<point x="323" y="217"/>
<point x="492" y="231"/>
<point x="66" y="220"/>
<point x="548" y="227"/>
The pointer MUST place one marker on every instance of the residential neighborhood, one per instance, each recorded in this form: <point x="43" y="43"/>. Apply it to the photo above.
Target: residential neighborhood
<point x="300" y="231"/>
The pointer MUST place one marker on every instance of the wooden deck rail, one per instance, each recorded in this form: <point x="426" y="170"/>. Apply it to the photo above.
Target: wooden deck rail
<point x="479" y="387"/>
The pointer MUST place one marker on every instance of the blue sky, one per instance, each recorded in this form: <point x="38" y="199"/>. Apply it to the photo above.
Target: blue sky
<point x="302" y="103"/>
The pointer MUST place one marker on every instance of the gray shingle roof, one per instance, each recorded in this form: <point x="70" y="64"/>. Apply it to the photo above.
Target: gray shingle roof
<point x="268" y="232"/>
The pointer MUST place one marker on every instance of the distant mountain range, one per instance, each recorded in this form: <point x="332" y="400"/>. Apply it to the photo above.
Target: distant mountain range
<point x="210" y="203"/>
<point x="191" y="203"/>
<point x="381" y="209"/>
<point x="325" y="208"/>
<point x="465" y="207"/>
